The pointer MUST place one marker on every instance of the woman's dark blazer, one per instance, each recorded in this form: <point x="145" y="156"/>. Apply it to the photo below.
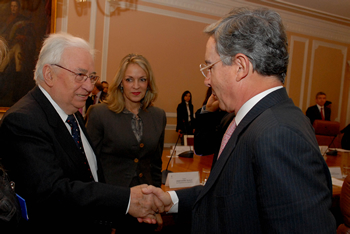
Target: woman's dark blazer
<point x="121" y="155"/>
<point x="182" y="117"/>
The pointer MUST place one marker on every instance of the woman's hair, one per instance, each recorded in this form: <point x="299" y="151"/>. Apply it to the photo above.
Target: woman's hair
<point x="183" y="97"/>
<point x="115" y="100"/>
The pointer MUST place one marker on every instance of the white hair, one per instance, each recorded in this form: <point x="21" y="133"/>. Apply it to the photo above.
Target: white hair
<point x="53" y="48"/>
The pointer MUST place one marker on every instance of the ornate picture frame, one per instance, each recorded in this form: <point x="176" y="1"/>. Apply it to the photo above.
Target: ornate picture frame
<point x="23" y="27"/>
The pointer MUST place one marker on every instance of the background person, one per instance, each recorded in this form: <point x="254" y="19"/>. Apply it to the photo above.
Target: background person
<point x="211" y="124"/>
<point x="128" y="131"/>
<point x="320" y="110"/>
<point x="185" y="119"/>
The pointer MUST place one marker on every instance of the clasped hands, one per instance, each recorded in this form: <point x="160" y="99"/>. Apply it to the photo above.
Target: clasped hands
<point x="146" y="201"/>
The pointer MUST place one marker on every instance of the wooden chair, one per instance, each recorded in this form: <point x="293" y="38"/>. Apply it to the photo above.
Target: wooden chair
<point x="326" y="132"/>
<point x="189" y="140"/>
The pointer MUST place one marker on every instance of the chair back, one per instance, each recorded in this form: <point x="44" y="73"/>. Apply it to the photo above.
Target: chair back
<point x="326" y="128"/>
<point x="189" y="140"/>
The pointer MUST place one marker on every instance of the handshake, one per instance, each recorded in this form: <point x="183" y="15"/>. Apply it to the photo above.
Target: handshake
<point x="146" y="201"/>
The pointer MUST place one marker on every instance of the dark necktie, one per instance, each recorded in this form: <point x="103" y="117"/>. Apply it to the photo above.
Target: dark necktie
<point x="322" y="116"/>
<point x="75" y="132"/>
<point x="76" y="136"/>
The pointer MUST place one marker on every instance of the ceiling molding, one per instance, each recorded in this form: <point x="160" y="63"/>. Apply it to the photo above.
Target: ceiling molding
<point x="293" y="22"/>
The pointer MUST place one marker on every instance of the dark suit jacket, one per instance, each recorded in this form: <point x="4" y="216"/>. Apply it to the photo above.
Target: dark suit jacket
<point x="313" y="113"/>
<point x="210" y="128"/>
<point x="182" y="118"/>
<point x="270" y="178"/>
<point x="122" y="156"/>
<point x="50" y="174"/>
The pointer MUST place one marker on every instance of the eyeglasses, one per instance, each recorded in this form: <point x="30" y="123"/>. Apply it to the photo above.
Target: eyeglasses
<point x="80" y="77"/>
<point x="205" y="69"/>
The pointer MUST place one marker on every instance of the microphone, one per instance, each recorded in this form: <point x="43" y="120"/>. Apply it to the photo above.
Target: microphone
<point x="332" y="152"/>
<point x="166" y="171"/>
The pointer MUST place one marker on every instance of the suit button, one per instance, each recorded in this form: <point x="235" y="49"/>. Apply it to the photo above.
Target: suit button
<point x="142" y="145"/>
<point x="140" y="175"/>
<point x="136" y="160"/>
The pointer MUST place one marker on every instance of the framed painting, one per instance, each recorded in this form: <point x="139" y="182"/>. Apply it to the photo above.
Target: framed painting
<point x="23" y="27"/>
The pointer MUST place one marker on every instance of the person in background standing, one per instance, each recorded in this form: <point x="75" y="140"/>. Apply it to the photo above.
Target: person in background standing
<point x="185" y="119"/>
<point x="128" y="131"/>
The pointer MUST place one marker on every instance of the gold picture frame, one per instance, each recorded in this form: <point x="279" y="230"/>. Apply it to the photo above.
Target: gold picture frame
<point x="23" y="26"/>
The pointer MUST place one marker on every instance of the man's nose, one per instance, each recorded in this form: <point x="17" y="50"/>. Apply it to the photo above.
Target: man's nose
<point x="88" y="85"/>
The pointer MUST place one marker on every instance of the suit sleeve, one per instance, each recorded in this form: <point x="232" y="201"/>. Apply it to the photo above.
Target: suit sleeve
<point x="47" y="178"/>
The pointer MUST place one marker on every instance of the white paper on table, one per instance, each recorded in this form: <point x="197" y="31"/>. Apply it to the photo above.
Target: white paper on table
<point x="335" y="172"/>
<point x="337" y="182"/>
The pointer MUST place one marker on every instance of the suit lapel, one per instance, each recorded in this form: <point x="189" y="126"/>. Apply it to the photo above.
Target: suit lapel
<point x="60" y="130"/>
<point x="265" y="103"/>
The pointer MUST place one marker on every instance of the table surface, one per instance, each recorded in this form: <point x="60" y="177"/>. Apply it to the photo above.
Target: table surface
<point x="197" y="163"/>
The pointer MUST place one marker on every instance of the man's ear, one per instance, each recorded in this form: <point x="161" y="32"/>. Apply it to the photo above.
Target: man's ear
<point x="243" y="66"/>
<point x="48" y="75"/>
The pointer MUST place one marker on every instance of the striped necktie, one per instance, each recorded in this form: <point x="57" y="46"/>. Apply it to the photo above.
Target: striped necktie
<point x="231" y="128"/>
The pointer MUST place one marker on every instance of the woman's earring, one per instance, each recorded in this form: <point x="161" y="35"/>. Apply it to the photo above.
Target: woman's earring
<point x="121" y="89"/>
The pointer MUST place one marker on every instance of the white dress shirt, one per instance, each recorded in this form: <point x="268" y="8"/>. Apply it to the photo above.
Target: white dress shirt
<point x="90" y="155"/>
<point x="239" y="116"/>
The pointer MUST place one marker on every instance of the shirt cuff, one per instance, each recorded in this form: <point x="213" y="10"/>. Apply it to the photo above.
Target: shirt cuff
<point x="127" y="209"/>
<point x="175" y="200"/>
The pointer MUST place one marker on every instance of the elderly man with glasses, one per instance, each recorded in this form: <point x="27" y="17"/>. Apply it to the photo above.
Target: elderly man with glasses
<point x="48" y="153"/>
<point x="270" y="176"/>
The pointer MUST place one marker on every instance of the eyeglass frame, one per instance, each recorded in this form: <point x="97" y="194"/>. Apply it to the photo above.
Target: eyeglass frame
<point x="80" y="74"/>
<point x="209" y="67"/>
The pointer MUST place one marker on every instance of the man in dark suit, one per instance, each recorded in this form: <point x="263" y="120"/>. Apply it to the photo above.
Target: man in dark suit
<point x="270" y="176"/>
<point x="320" y="110"/>
<point x="61" y="183"/>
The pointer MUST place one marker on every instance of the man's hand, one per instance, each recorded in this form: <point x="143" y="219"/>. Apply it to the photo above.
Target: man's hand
<point x="212" y="104"/>
<point x="162" y="200"/>
<point x="164" y="197"/>
<point x="144" y="206"/>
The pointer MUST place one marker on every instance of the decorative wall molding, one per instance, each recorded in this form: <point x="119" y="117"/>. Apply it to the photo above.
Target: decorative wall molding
<point x="344" y="50"/>
<point x="293" y="22"/>
<point x="105" y="41"/>
<point x="303" y="78"/>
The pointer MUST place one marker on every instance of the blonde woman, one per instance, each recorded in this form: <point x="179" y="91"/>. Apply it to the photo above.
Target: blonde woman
<point x="127" y="130"/>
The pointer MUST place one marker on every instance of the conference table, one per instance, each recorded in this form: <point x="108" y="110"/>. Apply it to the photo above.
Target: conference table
<point x="197" y="163"/>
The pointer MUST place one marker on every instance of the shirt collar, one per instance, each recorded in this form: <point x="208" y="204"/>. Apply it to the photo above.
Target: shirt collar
<point x="59" y="110"/>
<point x="252" y="102"/>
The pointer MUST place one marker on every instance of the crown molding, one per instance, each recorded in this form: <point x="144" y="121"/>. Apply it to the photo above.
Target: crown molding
<point x="293" y="22"/>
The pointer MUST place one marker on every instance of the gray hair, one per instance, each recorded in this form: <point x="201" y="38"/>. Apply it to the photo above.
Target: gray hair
<point x="53" y="48"/>
<point x="258" y="34"/>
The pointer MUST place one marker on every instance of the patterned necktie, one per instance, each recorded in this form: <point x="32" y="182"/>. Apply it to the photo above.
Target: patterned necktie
<point x="231" y="128"/>
<point x="322" y="116"/>
<point x="75" y="132"/>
